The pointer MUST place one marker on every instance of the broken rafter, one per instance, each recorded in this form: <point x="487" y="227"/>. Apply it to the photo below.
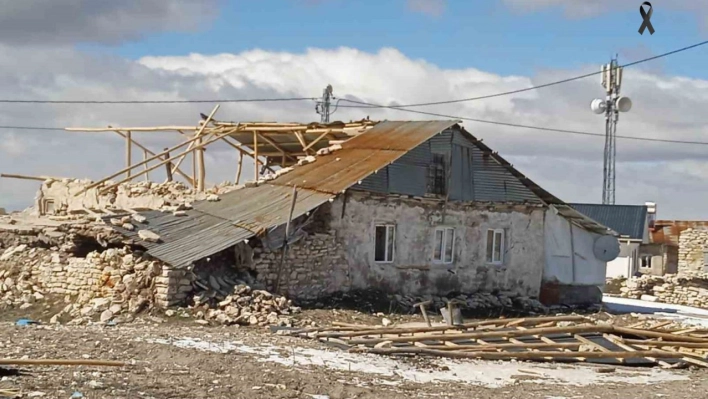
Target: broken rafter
<point x="179" y="171"/>
<point x="25" y="177"/>
<point x="202" y="145"/>
<point x="197" y="138"/>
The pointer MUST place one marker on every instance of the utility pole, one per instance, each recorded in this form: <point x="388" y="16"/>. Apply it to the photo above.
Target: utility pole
<point x="611" y="106"/>
<point x="322" y="106"/>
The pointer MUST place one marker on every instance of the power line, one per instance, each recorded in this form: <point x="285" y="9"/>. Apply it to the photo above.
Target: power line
<point x="506" y="93"/>
<point x="245" y="100"/>
<point x="540" y="128"/>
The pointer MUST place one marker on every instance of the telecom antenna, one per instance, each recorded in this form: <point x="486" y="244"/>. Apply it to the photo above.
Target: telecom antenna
<point x="322" y="106"/>
<point x="611" y="106"/>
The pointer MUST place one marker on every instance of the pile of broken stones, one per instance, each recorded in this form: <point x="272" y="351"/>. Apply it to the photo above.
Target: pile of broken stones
<point x="238" y="300"/>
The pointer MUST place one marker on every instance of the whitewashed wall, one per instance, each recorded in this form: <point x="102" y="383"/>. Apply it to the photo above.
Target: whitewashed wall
<point x="569" y="255"/>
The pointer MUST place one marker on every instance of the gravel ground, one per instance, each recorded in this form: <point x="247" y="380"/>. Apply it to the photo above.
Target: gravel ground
<point x="183" y="360"/>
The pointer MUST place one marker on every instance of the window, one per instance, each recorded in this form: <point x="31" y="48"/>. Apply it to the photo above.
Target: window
<point x="385" y="236"/>
<point x="436" y="175"/>
<point x="495" y="246"/>
<point x="646" y="261"/>
<point x="444" y="245"/>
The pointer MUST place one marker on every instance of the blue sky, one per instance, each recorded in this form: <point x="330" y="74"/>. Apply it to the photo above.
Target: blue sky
<point x="488" y="35"/>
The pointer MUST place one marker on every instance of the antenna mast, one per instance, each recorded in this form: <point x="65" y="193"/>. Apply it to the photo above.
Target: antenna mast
<point x="611" y="106"/>
<point x="322" y="106"/>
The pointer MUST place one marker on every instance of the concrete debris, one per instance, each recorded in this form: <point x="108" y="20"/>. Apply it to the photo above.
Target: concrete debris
<point x="148" y="235"/>
<point x="170" y="196"/>
<point x="689" y="288"/>
<point x="306" y="160"/>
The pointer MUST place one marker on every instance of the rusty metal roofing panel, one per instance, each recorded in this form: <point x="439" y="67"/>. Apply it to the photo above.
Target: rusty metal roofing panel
<point x="335" y="172"/>
<point x="398" y="136"/>
<point x="669" y="231"/>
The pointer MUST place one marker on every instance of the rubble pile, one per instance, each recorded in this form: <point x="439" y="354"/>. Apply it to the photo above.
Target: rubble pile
<point x="689" y="289"/>
<point x="246" y="306"/>
<point x="101" y="285"/>
<point x="227" y="295"/>
<point x="71" y="197"/>
<point x="478" y="302"/>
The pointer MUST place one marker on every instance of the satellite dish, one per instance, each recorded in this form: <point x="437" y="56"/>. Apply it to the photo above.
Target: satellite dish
<point x="606" y="248"/>
<point x="623" y="104"/>
<point x="598" y="106"/>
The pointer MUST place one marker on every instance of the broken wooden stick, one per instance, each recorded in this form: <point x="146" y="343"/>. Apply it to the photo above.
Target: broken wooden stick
<point x="60" y="362"/>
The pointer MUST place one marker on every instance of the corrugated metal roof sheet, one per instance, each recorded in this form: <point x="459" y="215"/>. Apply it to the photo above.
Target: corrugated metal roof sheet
<point x="196" y="235"/>
<point x="668" y="231"/>
<point x="362" y="156"/>
<point x="628" y="220"/>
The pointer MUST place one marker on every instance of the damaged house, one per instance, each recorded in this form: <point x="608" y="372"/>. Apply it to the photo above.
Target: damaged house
<point x="414" y="208"/>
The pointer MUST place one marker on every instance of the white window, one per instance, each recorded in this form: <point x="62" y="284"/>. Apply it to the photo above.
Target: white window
<point x="384" y="243"/>
<point x="444" y="245"/>
<point x="495" y="246"/>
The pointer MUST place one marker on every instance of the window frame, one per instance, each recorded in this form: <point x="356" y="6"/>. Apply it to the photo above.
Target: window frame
<point x="389" y="227"/>
<point x="445" y="230"/>
<point x="490" y="257"/>
<point x="437" y="173"/>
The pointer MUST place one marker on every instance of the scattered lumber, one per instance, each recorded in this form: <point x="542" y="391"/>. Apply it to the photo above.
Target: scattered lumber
<point x="556" y="338"/>
<point x="60" y="362"/>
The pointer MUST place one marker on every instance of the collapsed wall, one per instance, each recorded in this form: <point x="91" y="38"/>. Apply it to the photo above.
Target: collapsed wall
<point x="690" y="289"/>
<point x="71" y="196"/>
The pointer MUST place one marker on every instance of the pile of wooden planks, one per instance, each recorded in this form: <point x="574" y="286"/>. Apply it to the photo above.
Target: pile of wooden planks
<point x="556" y="338"/>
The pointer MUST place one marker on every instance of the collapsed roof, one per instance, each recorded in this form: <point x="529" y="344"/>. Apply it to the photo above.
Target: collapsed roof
<point x="211" y="227"/>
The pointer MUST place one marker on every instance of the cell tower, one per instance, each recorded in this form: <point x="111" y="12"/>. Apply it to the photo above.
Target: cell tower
<point x="611" y="106"/>
<point x="322" y="106"/>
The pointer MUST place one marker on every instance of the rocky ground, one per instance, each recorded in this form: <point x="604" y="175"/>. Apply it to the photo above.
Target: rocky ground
<point x="174" y="358"/>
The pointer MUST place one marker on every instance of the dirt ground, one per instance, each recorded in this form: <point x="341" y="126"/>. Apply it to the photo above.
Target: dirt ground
<point x="184" y="360"/>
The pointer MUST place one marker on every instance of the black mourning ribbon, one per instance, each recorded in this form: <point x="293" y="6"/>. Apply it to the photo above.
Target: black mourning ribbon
<point x="646" y="18"/>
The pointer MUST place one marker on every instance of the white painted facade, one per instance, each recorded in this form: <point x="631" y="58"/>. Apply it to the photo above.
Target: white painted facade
<point x="570" y="257"/>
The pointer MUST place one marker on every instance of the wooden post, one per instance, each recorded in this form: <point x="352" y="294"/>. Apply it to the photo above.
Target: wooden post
<point x="200" y="166"/>
<point x="146" y="160"/>
<point x="199" y="132"/>
<point x="128" y="152"/>
<point x="168" y="165"/>
<point x="255" y="156"/>
<point x="238" y="171"/>
<point x="194" y="168"/>
<point x="285" y="240"/>
<point x="147" y="174"/>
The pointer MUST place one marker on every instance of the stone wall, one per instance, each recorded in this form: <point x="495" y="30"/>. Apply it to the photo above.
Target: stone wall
<point x="314" y="267"/>
<point x="111" y="282"/>
<point x="691" y="245"/>
<point x="687" y="289"/>
<point x="337" y="255"/>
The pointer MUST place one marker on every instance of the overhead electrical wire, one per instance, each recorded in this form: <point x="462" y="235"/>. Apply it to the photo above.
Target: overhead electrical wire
<point x="506" y="93"/>
<point x="516" y="125"/>
<point x="243" y="100"/>
<point x="576" y="132"/>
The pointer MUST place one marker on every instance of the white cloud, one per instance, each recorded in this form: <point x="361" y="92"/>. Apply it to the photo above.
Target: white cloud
<point x="429" y="7"/>
<point x="568" y="166"/>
